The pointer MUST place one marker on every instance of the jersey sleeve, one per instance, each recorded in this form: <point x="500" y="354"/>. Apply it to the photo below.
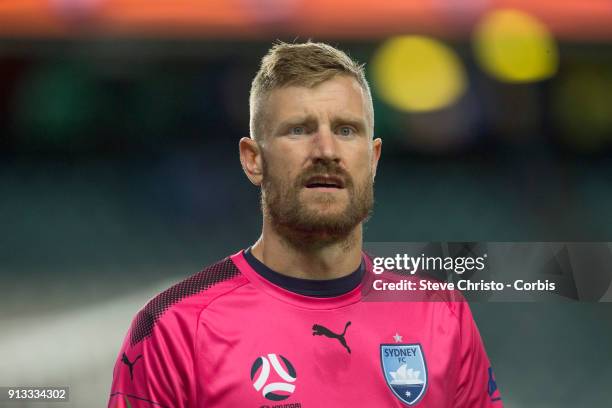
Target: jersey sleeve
<point x="477" y="387"/>
<point x="155" y="367"/>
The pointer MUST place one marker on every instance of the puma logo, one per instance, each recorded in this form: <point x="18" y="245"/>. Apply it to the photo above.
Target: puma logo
<point x="130" y="364"/>
<point x="318" y="330"/>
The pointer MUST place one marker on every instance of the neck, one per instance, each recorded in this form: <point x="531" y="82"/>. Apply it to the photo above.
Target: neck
<point x="334" y="260"/>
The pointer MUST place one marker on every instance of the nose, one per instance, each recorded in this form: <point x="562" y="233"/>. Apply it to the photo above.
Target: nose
<point x="325" y="145"/>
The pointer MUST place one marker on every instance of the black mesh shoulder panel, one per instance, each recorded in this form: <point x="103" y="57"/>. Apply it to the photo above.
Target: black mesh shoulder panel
<point x="148" y="317"/>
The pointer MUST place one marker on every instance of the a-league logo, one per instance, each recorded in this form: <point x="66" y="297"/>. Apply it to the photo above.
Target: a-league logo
<point x="275" y="390"/>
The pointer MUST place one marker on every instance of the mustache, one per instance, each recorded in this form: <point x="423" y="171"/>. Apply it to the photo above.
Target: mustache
<point x="325" y="167"/>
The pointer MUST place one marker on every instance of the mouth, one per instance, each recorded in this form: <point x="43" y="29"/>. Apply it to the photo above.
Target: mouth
<point x="325" y="182"/>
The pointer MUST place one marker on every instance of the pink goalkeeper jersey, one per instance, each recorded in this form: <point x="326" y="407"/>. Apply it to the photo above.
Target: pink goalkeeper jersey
<point x="228" y="337"/>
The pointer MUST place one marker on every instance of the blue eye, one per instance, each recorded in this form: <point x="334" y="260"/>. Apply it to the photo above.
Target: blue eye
<point x="346" y="131"/>
<point x="298" y="130"/>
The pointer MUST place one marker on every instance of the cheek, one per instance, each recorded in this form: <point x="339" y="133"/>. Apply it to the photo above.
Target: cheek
<point x="286" y="160"/>
<point x="361" y="165"/>
<point x="282" y="169"/>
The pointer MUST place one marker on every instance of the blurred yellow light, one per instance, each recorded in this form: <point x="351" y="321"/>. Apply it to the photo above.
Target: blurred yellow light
<point x="582" y="104"/>
<point x="513" y="46"/>
<point x="417" y="74"/>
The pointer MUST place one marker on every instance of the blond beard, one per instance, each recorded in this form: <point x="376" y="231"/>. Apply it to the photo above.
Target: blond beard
<point x="306" y="228"/>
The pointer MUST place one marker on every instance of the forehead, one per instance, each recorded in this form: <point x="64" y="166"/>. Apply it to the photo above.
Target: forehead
<point x="340" y="95"/>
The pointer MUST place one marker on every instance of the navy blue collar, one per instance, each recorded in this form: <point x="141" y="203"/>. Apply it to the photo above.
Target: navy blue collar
<point x="308" y="287"/>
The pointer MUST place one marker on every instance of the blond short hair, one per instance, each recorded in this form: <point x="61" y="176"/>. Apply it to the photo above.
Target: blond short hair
<point x="307" y="64"/>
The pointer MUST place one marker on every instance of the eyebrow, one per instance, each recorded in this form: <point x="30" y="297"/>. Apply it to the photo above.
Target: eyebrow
<point x="307" y="120"/>
<point x="311" y="120"/>
<point x="356" y="122"/>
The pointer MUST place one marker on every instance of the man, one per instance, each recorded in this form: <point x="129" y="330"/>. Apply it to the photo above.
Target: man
<point x="286" y="322"/>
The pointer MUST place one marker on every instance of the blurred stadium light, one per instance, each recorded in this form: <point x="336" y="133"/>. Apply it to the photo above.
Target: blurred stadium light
<point x="583" y="106"/>
<point x="512" y="46"/>
<point x="417" y="74"/>
<point x="322" y="18"/>
<point x="57" y="104"/>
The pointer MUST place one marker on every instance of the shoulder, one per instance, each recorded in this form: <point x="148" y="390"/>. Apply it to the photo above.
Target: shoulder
<point x="182" y="303"/>
<point x="429" y="291"/>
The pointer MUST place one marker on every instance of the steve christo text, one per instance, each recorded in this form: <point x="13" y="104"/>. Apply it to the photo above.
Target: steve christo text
<point x="464" y="285"/>
<point x="459" y="265"/>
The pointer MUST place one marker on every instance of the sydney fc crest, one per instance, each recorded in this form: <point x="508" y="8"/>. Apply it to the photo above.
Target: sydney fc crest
<point x="405" y="371"/>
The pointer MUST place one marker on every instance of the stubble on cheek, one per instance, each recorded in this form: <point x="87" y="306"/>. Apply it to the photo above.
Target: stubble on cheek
<point x="303" y="217"/>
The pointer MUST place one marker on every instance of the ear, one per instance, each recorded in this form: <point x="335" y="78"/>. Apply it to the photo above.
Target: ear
<point x="250" y="158"/>
<point x="376" y="151"/>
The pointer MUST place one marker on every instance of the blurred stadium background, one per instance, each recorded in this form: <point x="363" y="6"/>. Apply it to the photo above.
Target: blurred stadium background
<point x="119" y="174"/>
